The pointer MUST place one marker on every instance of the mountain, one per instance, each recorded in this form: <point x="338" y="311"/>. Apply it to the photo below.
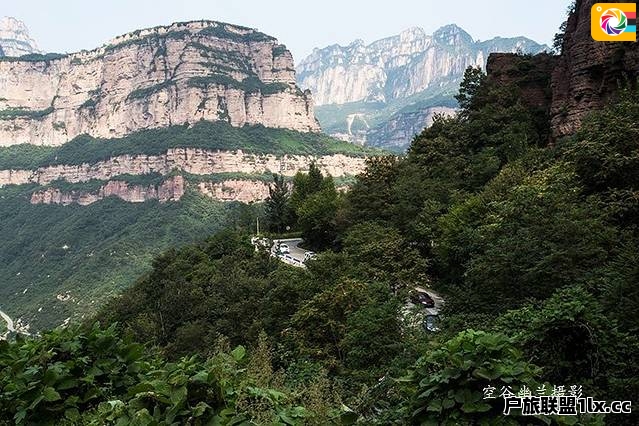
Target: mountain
<point x="153" y="78"/>
<point x="15" y="39"/>
<point x="163" y="136"/>
<point x="371" y="94"/>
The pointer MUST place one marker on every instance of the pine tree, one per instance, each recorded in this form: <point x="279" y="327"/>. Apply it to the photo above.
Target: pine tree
<point x="277" y="205"/>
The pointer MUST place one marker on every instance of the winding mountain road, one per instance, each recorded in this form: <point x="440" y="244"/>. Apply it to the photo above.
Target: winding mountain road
<point x="10" y="325"/>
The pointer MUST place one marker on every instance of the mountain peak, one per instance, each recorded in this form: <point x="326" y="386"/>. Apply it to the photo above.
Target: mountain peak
<point x="413" y="33"/>
<point x="452" y="34"/>
<point x="15" y="39"/>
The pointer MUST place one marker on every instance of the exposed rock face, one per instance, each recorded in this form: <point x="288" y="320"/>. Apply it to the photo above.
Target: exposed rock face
<point x="154" y="78"/>
<point x="190" y="160"/>
<point x="15" y="39"/>
<point x="242" y="190"/>
<point x="585" y="77"/>
<point x="399" y="66"/>
<point x="589" y="73"/>
<point x="412" y="68"/>
<point x="400" y="128"/>
<point x="171" y="189"/>
<point x="530" y="74"/>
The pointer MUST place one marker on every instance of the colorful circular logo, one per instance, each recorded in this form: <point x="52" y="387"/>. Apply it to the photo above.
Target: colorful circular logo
<point x="613" y="22"/>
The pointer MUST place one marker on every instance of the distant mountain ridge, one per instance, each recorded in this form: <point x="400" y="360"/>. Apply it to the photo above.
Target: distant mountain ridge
<point x="369" y="85"/>
<point x="15" y="39"/>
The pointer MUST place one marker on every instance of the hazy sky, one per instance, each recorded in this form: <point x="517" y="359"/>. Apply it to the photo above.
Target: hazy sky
<point x="72" y="25"/>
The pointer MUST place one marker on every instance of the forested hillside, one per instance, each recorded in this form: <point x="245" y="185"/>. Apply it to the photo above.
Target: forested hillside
<point x="533" y="245"/>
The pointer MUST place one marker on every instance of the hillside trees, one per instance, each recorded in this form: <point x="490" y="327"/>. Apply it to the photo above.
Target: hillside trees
<point x="311" y="207"/>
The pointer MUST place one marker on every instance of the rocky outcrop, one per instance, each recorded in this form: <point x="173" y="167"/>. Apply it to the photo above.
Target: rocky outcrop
<point x="242" y="190"/>
<point x="583" y="78"/>
<point x="154" y="78"/>
<point x="531" y="74"/>
<point x="412" y="72"/>
<point x="588" y="73"/>
<point x="171" y="189"/>
<point x="189" y="160"/>
<point x="15" y="39"/>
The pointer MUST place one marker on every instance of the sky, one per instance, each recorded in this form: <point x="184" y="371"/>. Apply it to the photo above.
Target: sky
<point x="72" y="25"/>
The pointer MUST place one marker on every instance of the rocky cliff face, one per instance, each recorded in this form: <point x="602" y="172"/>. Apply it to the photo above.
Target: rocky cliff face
<point x="583" y="78"/>
<point x="400" y="128"/>
<point x="399" y="66"/>
<point x="190" y="160"/>
<point x="154" y="78"/>
<point x="171" y="189"/>
<point x="15" y="39"/>
<point x="395" y="80"/>
<point x="588" y="72"/>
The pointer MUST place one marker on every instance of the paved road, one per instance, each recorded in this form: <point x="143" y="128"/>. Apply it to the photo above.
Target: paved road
<point x="296" y="255"/>
<point x="10" y="326"/>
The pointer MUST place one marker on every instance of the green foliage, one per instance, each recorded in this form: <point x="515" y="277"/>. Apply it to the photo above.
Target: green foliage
<point x="205" y="135"/>
<point x="220" y="30"/>
<point x="385" y="256"/>
<point x="315" y="202"/>
<point x="96" y="377"/>
<point x="469" y="89"/>
<point x="250" y="84"/>
<point x="277" y="209"/>
<point x="450" y="380"/>
<point x="34" y="57"/>
<point x="150" y="90"/>
<point x="63" y="374"/>
<point x="108" y="244"/>
<point x="11" y="113"/>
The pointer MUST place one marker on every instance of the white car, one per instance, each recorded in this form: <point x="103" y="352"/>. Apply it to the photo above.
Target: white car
<point x="284" y="249"/>
<point x="309" y="255"/>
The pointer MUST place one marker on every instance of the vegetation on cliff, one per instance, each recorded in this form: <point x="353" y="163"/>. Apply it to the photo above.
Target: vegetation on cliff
<point x="534" y="247"/>
<point x="209" y="135"/>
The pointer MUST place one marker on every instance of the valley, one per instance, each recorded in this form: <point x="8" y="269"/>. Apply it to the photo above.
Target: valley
<point x="186" y="239"/>
<point x="384" y="93"/>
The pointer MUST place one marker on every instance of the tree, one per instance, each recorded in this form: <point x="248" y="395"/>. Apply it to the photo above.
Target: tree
<point x="316" y="216"/>
<point x="469" y="89"/>
<point x="278" y="210"/>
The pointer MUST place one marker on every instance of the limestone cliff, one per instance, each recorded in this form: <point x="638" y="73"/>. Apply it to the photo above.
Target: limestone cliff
<point x="15" y="39"/>
<point x="171" y="189"/>
<point x="152" y="78"/>
<point x="393" y="81"/>
<point x="190" y="160"/>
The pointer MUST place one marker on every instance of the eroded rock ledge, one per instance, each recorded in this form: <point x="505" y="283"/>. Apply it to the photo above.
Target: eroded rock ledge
<point x="189" y="160"/>
<point x="172" y="189"/>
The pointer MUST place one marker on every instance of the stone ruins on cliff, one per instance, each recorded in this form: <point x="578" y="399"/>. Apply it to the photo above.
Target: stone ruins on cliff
<point x="153" y="78"/>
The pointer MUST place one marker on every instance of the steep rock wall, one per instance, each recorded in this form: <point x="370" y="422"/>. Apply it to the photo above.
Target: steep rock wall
<point x="189" y="160"/>
<point x="588" y="73"/>
<point x="171" y="189"/>
<point x="154" y="78"/>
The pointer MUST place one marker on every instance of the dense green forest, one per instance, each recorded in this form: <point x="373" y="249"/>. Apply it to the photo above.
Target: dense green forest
<point x="534" y="246"/>
<point x="88" y="254"/>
